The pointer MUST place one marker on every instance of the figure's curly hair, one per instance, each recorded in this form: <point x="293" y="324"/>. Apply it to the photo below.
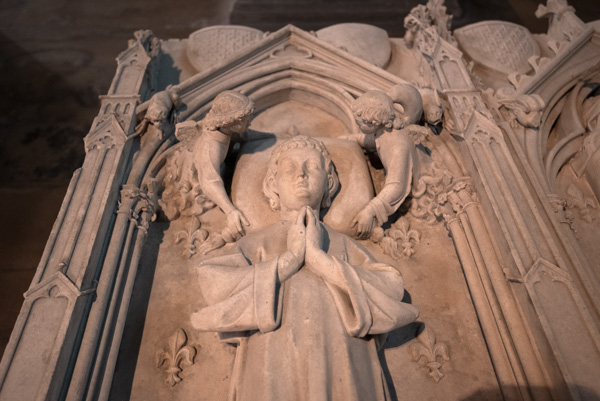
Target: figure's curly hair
<point x="376" y="107"/>
<point x="300" y="142"/>
<point x="227" y="108"/>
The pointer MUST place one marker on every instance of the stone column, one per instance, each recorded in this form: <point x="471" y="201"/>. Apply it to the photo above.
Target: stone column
<point x="537" y="309"/>
<point x="42" y="349"/>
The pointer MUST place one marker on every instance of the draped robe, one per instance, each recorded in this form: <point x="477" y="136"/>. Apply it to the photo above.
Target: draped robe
<point x="306" y="338"/>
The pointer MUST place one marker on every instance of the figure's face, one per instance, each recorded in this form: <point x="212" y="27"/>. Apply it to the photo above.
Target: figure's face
<point x="239" y="127"/>
<point x="434" y="115"/>
<point x="367" y="127"/>
<point x="301" y="179"/>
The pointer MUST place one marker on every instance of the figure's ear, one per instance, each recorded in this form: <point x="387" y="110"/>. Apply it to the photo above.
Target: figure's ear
<point x="326" y="201"/>
<point x="333" y="185"/>
<point x="270" y="191"/>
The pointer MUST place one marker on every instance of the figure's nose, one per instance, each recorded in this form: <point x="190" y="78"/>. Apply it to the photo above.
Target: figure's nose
<point x="302" y="172"/>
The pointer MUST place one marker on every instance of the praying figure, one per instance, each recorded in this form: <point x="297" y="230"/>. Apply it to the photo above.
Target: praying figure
<point x="306" y="306"/>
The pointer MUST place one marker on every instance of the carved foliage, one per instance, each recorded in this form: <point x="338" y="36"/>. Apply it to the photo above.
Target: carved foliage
<point x="439" y="195"/>
<point x="182" y="195"/>
<point x="585" y="205"/>
<point x="430" y="353"/>
<point x="175" y="356"/>
<point x="559" y="207"/>
<point x="426" y="191"/>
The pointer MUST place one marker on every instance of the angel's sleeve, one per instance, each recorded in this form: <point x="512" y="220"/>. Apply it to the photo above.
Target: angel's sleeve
<point x="398" y="156"/>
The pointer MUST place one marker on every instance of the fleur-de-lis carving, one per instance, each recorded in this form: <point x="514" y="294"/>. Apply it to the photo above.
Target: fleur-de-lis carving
<point x="192" y="236"/>
<point x="400" y="240"/>
<point x="175" y="356"/>
<point x="427" y="352"/>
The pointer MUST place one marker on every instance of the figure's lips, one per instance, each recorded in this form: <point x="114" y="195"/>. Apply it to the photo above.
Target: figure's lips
<point x="302" y="188"/>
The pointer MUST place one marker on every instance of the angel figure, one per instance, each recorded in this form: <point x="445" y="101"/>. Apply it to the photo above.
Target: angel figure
<point x="388" y="131"/>
<point x="226" y="122"/>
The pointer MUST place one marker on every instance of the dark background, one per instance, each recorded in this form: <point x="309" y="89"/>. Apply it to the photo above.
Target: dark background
<point x="58" y="56"/>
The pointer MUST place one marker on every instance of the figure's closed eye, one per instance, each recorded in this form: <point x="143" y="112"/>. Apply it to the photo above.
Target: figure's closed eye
<point x="313" y="165"/>
<point x="288" y="167"/>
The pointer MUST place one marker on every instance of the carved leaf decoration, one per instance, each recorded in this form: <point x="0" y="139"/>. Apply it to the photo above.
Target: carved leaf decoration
<point x="428" y="193"/>
<point x="515" y="79"/>
<point x="177" y="355"/>
<point x="579" y="201"/>
<point x="199" y="235"/>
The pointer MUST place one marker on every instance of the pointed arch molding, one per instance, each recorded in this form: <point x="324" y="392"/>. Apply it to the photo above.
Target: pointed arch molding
<point x="288" y="64"/>
<point x="578" y="62"/>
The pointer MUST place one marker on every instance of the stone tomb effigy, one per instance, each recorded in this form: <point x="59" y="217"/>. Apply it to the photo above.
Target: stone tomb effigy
<point x="331" y="215"/>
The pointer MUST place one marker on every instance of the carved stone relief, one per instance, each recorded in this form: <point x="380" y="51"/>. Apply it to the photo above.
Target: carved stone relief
<point x="267" y="225"/>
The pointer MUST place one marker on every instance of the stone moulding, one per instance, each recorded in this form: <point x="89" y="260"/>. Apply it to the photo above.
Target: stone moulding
<point x="515" y="255"/>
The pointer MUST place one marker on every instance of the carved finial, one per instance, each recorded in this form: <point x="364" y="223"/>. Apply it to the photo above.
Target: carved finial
<point x="426" y="23"/>
<point x="553" y="8"/>
<point x="146" y="38"/>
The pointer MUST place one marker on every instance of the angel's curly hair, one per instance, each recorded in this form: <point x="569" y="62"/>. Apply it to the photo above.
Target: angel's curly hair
<point x="376" y="107"/>
<point x="227" y="108"/>
<point x="300" y="142"/>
